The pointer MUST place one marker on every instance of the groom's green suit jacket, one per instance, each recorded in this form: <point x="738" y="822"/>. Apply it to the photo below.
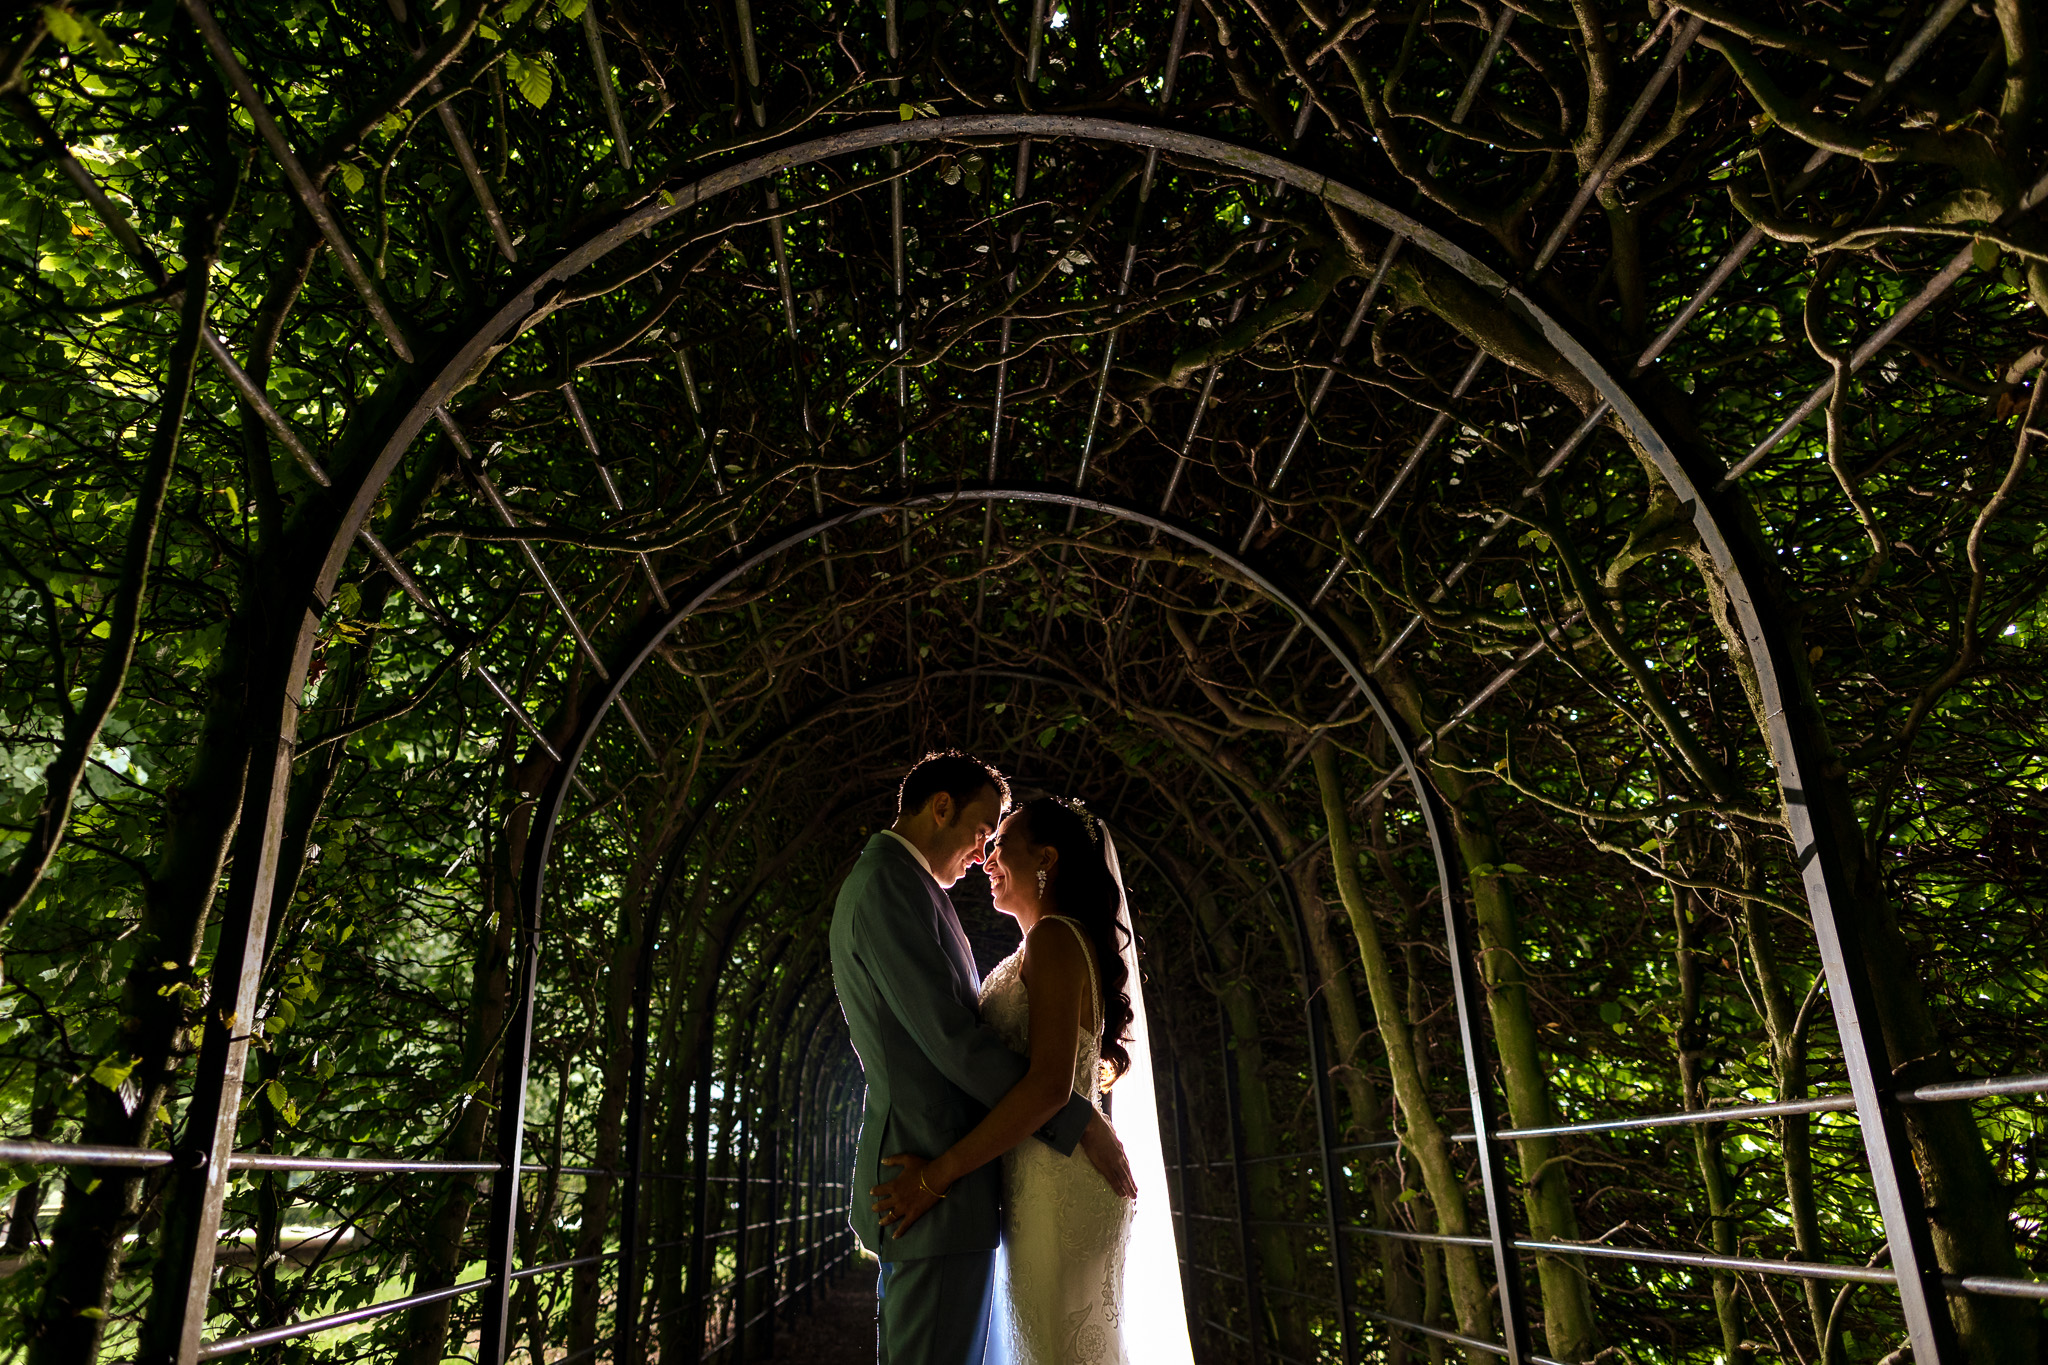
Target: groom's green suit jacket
<point x="908" y="984"/>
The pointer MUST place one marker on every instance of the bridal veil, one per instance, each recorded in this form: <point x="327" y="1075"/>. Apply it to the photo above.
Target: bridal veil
<point x="1155" y="1320"/>
<point x="1153" y="1317"/>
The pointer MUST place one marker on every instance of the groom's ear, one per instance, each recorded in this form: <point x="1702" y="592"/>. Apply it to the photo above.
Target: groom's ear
<point x="942" y="808"/>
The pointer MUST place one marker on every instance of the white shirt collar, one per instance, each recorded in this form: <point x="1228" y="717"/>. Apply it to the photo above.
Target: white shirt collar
<point x="915" y="852"/>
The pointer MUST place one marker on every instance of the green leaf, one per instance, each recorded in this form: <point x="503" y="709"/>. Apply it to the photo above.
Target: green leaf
<point x="1514" y="869"/>
<point x="78" y="32"/>
<point x="351" y="177"/>
<point x="1047" y="735"/>
<point x="515" y="10"/>
<point x="1484" y="870"/>
<point x="281" y="1100"/>
<point x="1983" y="254"/>
<point x="1610" y="1013"/>
<point x="571" y="9"/>
<point x="97" y="36"/>
<point x="66" y="29"/>
<point x="531" y="77"/>
<point x="111" y="1073"/>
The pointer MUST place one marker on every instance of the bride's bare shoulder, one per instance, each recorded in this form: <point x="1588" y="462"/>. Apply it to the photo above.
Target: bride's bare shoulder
<point x="1052" y="945"/>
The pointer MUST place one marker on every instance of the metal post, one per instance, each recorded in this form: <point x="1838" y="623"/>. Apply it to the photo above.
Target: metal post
<point x="804" y="1191"/>
<point x="198" y="1191"/>
<point x="501" y="1245"/>
<point x="626" y="1313"/>
<point x="1494" y="1188"/>
<point x="1821" y="824"/>
<point x="1180" y="1182"/>
<point x="771" y="1206"/>
<point x="1334" y="1190"/>
<point x="698" y="1293"/>
<point x="743" y="1140"/>
<point x="1254" y="1299"/>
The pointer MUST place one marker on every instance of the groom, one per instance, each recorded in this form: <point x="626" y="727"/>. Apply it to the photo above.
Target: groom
<point x="908" y="984"/>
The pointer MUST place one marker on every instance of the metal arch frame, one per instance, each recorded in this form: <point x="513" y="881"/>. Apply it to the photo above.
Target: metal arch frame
<point x="1795" y="737"/>
<point x="1316" y="1013"/>
<point x="690" y="603"/>
<point x="1311" y="992"/>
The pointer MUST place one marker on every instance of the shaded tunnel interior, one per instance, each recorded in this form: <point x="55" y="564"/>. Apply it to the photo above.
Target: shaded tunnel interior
<point x="1562" y="670"/>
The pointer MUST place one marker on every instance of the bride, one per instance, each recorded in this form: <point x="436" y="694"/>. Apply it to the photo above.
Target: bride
<point x="1070" y="999"/>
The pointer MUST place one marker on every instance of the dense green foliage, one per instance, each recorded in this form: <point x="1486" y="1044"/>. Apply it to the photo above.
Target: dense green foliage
<point x="1151" y="329"/>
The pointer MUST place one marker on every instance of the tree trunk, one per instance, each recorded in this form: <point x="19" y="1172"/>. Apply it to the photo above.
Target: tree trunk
<point x="1422" y="1135"/>
<point x="100" y="1206"/>
<point x="1570" y="1329"/>
<point x="1706" y="1137"/>
<point x="1785" y="1022"/>
<point x="439" y="1254"/>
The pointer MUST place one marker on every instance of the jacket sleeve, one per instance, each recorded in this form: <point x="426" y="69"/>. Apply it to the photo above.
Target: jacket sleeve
<point x="897" y="943"/>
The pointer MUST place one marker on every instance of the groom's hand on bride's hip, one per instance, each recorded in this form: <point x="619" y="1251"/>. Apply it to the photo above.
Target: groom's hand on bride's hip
<point x="1106" y="1153"/>
<point x="910" y="1196"/>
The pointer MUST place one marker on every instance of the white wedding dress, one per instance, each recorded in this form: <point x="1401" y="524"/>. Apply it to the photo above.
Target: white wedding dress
<point x="1064" y="1230"/>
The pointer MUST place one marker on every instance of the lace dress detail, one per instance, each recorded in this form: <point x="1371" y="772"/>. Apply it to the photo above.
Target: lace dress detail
<point x="1064" y="1229"/>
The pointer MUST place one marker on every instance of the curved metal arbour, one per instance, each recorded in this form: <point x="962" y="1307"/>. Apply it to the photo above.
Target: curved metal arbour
<point x="711" y="509"/>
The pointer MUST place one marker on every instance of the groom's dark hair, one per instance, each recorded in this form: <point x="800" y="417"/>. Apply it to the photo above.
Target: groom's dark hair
<point x="960" y="776"/>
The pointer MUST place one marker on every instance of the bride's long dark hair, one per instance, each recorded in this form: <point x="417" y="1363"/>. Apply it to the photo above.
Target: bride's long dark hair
<point x="1082" y="889"/>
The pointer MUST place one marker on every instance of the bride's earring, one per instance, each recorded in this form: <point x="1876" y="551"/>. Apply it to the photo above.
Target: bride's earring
<point x="1041" y="883"/>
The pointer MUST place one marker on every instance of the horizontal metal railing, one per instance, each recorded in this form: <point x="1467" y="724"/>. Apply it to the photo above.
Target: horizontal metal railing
<point x="14" y="1152"/>
<point x="1732" y="1113"/>
<point x="2004" y="1286"/>
<point x="305" y="1327"/>
<point x="1457" y="1338"/>
<point x="291" y="1331"/>
<point x="596" y="1258"/>
<point x="227" y="1346"/>
<point x="2001" y="1087"/>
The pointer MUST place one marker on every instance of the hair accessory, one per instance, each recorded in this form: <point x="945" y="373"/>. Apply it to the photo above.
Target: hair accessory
<point x="1088" y="819"/>
<point x="1041" y="881"/>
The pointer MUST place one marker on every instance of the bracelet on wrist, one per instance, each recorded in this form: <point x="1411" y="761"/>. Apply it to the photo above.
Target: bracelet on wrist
<point x="926" y="1188"/>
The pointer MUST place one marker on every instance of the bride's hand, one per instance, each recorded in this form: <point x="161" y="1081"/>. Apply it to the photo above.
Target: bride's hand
<point x="910" y="1196"/>
<point x="1105" y="1151"/>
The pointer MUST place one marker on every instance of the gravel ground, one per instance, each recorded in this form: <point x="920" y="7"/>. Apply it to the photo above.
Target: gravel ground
<point x="841" y="1329"/>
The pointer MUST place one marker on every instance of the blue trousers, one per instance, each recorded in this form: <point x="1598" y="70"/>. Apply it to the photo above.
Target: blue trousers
<point x="935" y="1310"/>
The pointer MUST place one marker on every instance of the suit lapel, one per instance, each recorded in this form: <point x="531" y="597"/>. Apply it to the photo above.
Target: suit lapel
<point x="955" y="940"/>
<point x="952" y="938"/>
